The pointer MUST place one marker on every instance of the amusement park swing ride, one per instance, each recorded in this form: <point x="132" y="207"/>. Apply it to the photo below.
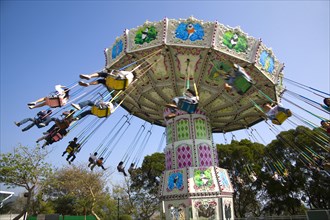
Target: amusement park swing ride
<point x="168" y="58"/>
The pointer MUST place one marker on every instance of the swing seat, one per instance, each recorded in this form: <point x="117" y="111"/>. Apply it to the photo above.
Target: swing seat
<point x="69" y="149"/>
<point x="242" y="84"/>
<point x="280" y="118"/>
<point x="116" y="84"/>
<point x="63" y="124"/>
<point x="101" y="113"/>
<point x="55" y="102"/>
<point x="57" y="137"/>
<point x="187" y="106"/>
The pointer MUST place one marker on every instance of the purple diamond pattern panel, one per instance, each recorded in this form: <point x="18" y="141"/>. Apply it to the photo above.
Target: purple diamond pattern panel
<point x="184" y="156"/>
<point x="168" y="158"/>
<point x="204" y="155"/>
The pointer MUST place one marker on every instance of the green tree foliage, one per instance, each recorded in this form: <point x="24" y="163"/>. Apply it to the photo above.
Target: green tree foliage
<point x="76" y="190"/>
<point x="143" y="186"/>
<point x="298" y="156"/>
<point x="240" y="158"/>
<point x="25" y="167"/>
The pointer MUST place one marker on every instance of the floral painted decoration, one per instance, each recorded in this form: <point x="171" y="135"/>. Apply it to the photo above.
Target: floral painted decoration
<point x="203" y="178"/>
<point x="266" y="61"/>
<point x="189" y="31"/>
<point x="175" y="180"/>
<point x="145" y="35"/>
<point x="117" y="49"/>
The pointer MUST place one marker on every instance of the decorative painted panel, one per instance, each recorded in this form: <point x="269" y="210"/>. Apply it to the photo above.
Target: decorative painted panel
<point x="235" y="42"/>
<point x="175" y="181"/>
<point x="204" y="155"/>
<point x="182" y="129"/>
<point x="184" y="156"/>
<point x="206" y="208"/>
<point x="228" y="208"/>
<point x="224" y="180"/>
<point x="203" y="179"/>
<point x="189" y="32"/>
<point x="176" y="211"/>
<point x="168" y="159"/>
<point x="200" y="128"/>
<point x="266" y="61"/>
<point x="115" y="52"/>
<point x="169" y="134"/>
<point x="150" y="34"/>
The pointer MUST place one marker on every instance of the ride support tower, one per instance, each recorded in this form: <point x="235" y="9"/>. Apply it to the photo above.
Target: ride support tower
<point x="193" y="186"/>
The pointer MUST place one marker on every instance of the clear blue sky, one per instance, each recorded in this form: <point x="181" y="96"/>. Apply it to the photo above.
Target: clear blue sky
<point x="44" y="43"/>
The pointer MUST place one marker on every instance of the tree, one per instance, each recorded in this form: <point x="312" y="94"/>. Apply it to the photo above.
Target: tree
<point x="76" y="190"/>
<point x="296" y="155"/>
<point x="241" y="158"/>
<point x="24" y="168"/>
<point x="140" y="194"/>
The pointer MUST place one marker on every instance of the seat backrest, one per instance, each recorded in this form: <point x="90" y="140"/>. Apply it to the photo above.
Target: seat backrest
<point x="187" y="106"/>
<point x="281" y="116"/>
<point x="241" y="84"/>
<point x="57" y="137"/>
<point x="116" y="84"/>
<point x="54" y="102"/>
<point x="101" y="113"/>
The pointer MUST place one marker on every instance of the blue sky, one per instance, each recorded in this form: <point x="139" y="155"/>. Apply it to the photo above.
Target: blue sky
<point x="44" y="43"/>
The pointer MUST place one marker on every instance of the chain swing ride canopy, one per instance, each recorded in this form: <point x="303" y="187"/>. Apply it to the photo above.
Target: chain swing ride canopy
<point x="202" y="52"/>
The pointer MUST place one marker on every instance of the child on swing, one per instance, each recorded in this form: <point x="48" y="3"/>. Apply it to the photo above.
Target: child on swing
<point x="273" y="111"/>
<point x="99" y="163"/>
<point x="189" y="97"/>
<point x="105" y="73"/>
<point x="121" y="168"/>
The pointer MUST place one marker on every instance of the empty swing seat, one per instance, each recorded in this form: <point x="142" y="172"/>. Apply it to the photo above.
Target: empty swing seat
<point x="187" y="106"/>
<point x="116" y="84"/>
<point x="242" y="84"/>
<point x="101" y="113"/>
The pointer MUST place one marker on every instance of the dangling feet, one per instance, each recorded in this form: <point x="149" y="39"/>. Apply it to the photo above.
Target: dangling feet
<point x="32" y="104"/>
<point x="228" y="87"/>
<point x="83" y="76"/>
<point x="81" y="83"/>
